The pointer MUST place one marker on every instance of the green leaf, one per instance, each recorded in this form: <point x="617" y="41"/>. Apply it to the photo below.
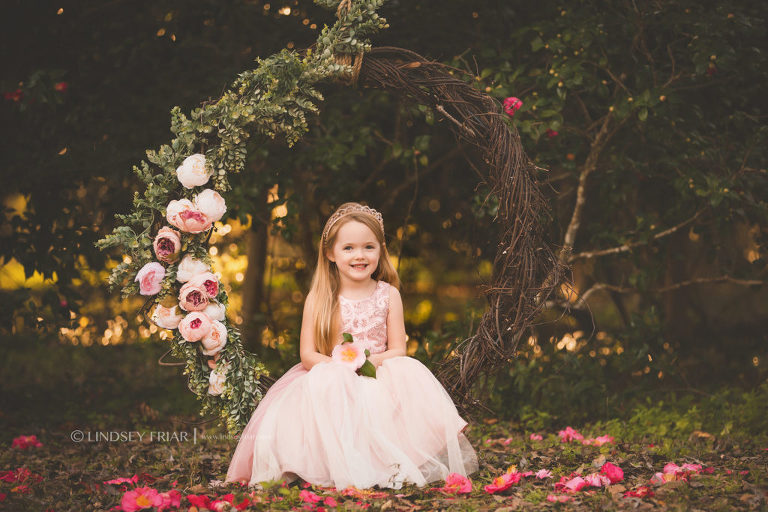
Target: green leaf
<point x="347" y="338"/>
<point x="643" y="114"/>
<point x="368" y="369"/>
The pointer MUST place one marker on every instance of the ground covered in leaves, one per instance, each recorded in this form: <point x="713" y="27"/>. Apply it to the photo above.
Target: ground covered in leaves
<point x="112" y="442"/>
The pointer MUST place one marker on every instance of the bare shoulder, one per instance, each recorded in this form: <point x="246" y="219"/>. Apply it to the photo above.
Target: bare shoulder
<point x="394" y="295"/>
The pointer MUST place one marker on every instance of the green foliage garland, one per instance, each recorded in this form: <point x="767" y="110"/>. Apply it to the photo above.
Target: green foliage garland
<point x="273" y="99"/>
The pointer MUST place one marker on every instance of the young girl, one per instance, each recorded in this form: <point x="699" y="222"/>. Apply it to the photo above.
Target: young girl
<point x="331" y="427"/>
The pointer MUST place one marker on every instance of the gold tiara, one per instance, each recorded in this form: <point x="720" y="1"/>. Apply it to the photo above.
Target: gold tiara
<point x="341" y="212"/>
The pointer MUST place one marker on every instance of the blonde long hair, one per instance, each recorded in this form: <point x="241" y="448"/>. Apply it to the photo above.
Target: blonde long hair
<point x="324" y="291"/>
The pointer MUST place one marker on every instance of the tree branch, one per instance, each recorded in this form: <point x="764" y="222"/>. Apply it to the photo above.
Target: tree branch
<point x="628" y="246"/>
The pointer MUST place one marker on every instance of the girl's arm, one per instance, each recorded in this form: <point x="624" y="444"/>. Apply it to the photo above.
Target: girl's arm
<point x="307" y="348"/>
<point x="395" y="329"/>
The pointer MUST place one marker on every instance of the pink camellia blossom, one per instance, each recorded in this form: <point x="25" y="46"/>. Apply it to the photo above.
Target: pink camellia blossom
<point x="329" y="501"/>
<point x="671" y="468"/>
<point x="598" y="441"/>
<point x="570" y="484"/>
<point x="171" y="500"/>
<point x="215" y="340"/>
<point x="183" y="215"/>
<point x="455" y="484"/>
<point x="167" y="318"/>
<point x="140" y="498"/>
<point x="596" y="480"/>
<point x="543" y="473"/>
<point x="201" y="501"/>
<point x="192" y="297"/>
<point x="309" y="497"/>
<point x="211" y="204"/>
<point x="150" y="278"/>
<point x="208" y="282"/>
<point x="167" y="244"/>
<point x="569" y="435"/>
<point x="122" y="480"/>
<point x="614" y="473"/>
<point x="512" y="105"/>
<point x="25" y="442"/>
<point x="502" y="483"/>
<point x="641" y="492"/>
<point x="558" y="498"/>
<point x="536" y="437"/>
<point x="349" y="354"/>
<point x="195" y="326"/>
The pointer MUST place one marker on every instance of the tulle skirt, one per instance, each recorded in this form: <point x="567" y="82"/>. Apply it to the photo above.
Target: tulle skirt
<point x="334" y="428"/>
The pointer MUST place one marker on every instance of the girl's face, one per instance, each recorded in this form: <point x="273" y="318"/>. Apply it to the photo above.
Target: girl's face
<point x="356" y="252"/>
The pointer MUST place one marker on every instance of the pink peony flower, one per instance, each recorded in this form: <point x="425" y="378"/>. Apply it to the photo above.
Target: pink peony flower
<point x="543" y="473"/>
<point x="192" y="172"/>
<point x="558" y="498"/>
<point x="216" y="381"/>
<point x="171" y="500"/>
<point x="512" y="105"/>
<point x="192" y="297"/>
<point x="614" y="473"/>
<point x="215" y="340"/>
<point x="349" y="354"/>
<point x="502" y="483"/>
<point x="140" y="498"/>
<point x="166" y="318"/>
<point x="25" y="442"/>
<point x="150" y="277"/>
<point x="216" y="311"/>
<point x="183" y="215"/>
<point x="536" y="437"/>
<point x="569" y="435"/>
<point x="206" y="281"/>
<point x="167" y="244"/>
<point x="596" y="480"/>
<point x="195" y="326"/>
<point x="211" y="204"/>
<point x="189" y="268"/>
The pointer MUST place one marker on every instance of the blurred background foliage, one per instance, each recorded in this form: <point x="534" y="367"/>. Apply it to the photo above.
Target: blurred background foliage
<point x="646" y="119"/>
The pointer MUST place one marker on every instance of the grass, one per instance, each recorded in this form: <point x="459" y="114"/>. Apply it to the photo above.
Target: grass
<point x="51" y="391"/>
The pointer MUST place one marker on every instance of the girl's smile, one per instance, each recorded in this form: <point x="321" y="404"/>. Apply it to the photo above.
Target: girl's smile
<point x="356" y="253"/>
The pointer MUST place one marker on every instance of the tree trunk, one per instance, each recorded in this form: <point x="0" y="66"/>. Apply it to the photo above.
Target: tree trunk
<point x="253" y="286"/>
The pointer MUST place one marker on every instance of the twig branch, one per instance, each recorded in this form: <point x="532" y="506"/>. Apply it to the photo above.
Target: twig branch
<point x="628" y="246"/>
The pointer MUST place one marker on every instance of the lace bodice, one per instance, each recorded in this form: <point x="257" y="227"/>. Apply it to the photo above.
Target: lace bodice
<point x="366" y="319"/>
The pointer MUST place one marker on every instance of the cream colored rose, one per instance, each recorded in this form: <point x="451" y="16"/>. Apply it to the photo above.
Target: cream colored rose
<point x="216" y="311"/>
<point x="216" y="380"/>
<point x="189" y="268"/>
<point x="211" y="204"/>
<point x="192" y="172"/>
<point x="215" y="340"/>
<point x="167" y="318"/>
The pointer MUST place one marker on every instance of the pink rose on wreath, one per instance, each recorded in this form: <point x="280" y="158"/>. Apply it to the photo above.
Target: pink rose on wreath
<point x="183" y="215"/>
<point x="206" y="281"/>
<point x="193" y="297"/>
<point x="167" y="244"/>
<point x="195" y="326"/>
<point x="167" y="318"/>
<point x="349" y="354"/>
<point x="211" y="204"/>
<point x="216" y="311"/>
<point x="150" y="277"/>
<point x="216" y="381"/>
<point x="215" y="340"/>
<point x="512" y="105"/>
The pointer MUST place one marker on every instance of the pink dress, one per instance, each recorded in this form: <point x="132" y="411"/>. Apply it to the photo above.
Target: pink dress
<point x="334" y="428"/>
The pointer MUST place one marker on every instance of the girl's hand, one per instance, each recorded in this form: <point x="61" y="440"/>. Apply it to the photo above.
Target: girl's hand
<point x="375" y="360"/>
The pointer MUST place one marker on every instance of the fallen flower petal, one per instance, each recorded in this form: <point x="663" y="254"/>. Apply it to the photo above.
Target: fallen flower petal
<point x="558" y="498"/>
<point x="568" y="434"/>
<point x="543" y="473"/>
<point x="614" y="473"/>
<point x="25" y="442"/>
<point x="536" y="437"/>
<point x="641" y="492"/>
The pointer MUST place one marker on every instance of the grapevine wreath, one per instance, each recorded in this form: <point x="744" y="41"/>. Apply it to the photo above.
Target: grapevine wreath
<point x="165" y="237"/>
